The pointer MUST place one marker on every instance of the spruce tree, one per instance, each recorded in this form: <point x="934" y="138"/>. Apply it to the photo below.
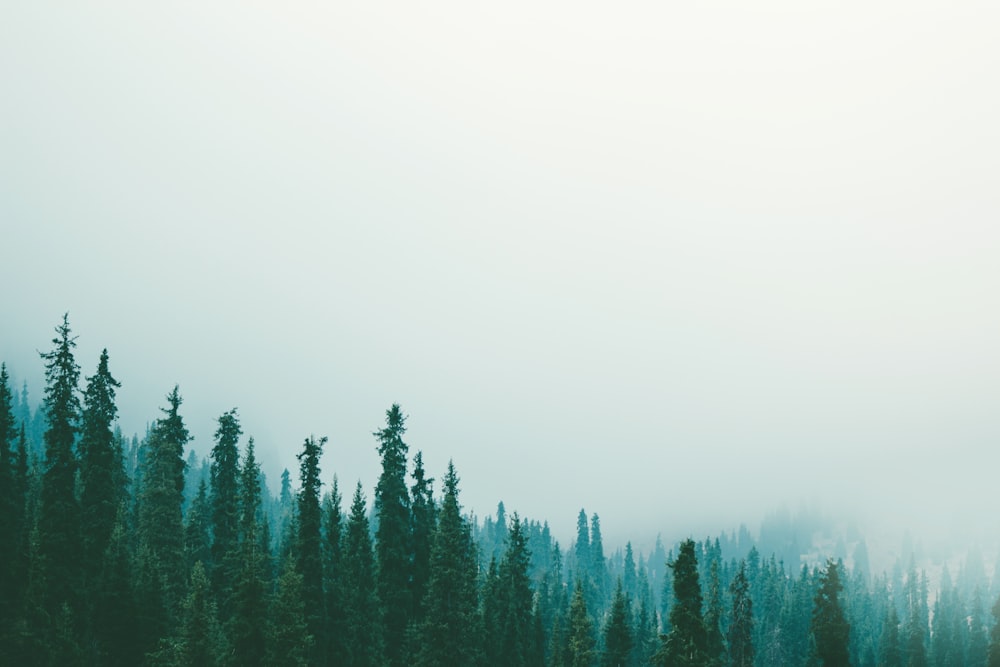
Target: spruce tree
<point x="687" y="642"/>
<point x="10" y="508"/>
<point x="248" y="627"/>
<point x="114" y="605"/>
<point x="994" y="651"/>
<point x="363" y="636"/>
<point x="101" y="475"/>
<point x="617" y="635"/>
<point x="201" y="640"/>
<point x="289" y="643"/>
<point x="514" y="613"/>
<point x="581" y="630"/>
<point x="198" y="529"/>
<point x="59" y="540"/>
<point x="393" y="539"/>
<point x="225" y="482"/>
<point x="333" y="523"/>
<point x="716" y="647"/>
<point x="447" y="633"/>
<point x="741" y="653"/>
<point x="890" y="650"/>
<point x="309" y="548"/>
<point x="830" y="628"/>
<point x="423" y="513"/>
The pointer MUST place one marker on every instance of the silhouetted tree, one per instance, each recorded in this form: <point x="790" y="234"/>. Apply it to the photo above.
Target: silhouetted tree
<point x="687" y="642"/>
<point x="308" y="545"/>
<point x="829" y="624"/>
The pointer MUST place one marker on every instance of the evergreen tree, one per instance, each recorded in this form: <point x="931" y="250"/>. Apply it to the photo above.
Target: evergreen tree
<point x="59" y="540"/>
<point x="201" y="639"/>
<point x="197" y="529"/>
<point x="515" y="643"/>
<point x="687" y="642"/>
<point x="617" y="636"/>
<point x="582" y="548"/>
<point x="716" y="647"/>
<point x="289" y="643"/>
<point x="363" y="636"/>
<point x="424" y="520"/>
<point x="890" y="650"/>
<point x="829" y="624"/>
<point x="225" y="482"/>
<point x="101" y="476"/>
<point x="447" y="637"/>
<point x="248" y="628"/>
<point x="993" y="656"/>
<point x="309" y="549"/>
<point x="11" y="504"/>
<point x="916" y="630"/>
<point x="332" y="570"/>
<point x="978" y="641"/>
<point x="581" y="631"/>
<point x="741" y="652"/>
<point x="393" y="540"/>
<point x="159" y="575"/>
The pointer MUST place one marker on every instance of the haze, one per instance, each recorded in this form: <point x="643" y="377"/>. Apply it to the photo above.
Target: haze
<point x="676" y="263"/>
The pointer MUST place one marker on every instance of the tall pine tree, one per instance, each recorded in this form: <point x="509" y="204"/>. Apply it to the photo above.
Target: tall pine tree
<point x="741" y="653"/>
<point x="687" y="642"/>
<point x="363" y="636"/>
<point x="309" y="543"/>
<point x="225" y="482"/>
<point x="830" y="628"/>
<point x="248" y="627"/>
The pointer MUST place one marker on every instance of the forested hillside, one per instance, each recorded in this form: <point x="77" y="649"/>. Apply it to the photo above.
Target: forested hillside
<point x="132" y="551"/>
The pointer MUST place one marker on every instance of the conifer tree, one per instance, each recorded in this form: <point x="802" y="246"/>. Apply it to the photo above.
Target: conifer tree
<point x="363" y="624"/>
<point x="225" y="482"/>
<point x="741" y="652"/>
<point x="114" y="607"/>
<point x="617" y="635"/>
<point x="101" y="465"/>
<point x="514" y="611"/>
<point x="248" y="628"/>
<point x="890" y="651"/>
<point x="289" y="643"/>
<point x="978" y="641"/>
<point x="581" y="631"/>
<point x="450" y="605"/>
<point x="59" y="540"/>
<point x="197" y="529"/>
<point x="716" y="648"/>
<point x="309" y="548"/>
<point x="686" y="643"/>
<point x="393" y="539"/>
<point x="333" y="522"/>
<point x="10" y="509"/>
<point x="830" y="627"/>
<point x="993" y="656"/>
<point x="424" y="519"/>
<point x="160" y="561"/>
<point x="201" y="639"/>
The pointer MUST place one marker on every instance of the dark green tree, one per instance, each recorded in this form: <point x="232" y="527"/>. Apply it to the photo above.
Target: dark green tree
<point x="515" y="601"/>
<point x="333" y="524"/>
<point x="830" y="628"/>
<point x="890" y="650"/>
<point x="581" y="631"/>
<point x="393" y="538"/>
<point x="309" y="546"/>
<point x="716" y="646"/>
<point x="978" y="640"/>
<point x="993" y="656"/>
<point x="363" y="623"/>
<point x="248" y="627"/>
<point x="197" y="529"/>
<point x="57" y="562"/>
<point x="11" y="506"/>
<point x="447" y="632"/>
<point x="617" y="635"/>
<point x="424" y="518"/>
<point x="288" y="640"/>
<point x="687" y="642"/>
<point x="225" y="483"/>
<point x="201" y="639"/>
<point x="741" y="653"/>
<point x="101" y="467"/>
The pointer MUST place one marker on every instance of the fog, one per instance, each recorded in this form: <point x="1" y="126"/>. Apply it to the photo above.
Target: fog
<point x="675" y="263"/>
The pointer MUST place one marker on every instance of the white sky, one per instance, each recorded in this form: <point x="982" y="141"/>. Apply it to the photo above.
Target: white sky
<point x="674" y="262"/>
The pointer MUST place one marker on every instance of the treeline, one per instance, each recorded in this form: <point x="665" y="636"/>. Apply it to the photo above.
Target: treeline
<point x="124" y="552"/>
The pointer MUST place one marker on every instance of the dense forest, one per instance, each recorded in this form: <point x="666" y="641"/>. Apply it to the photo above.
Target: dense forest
<point x="133" y="551"/>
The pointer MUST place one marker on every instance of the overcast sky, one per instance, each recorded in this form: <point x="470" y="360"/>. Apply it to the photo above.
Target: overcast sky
<point x="673" y="262"/>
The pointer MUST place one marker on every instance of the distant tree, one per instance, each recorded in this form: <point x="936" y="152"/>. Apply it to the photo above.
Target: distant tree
<point x="993" y="656"/>
<point x="598" y="573"/>
<point x="225" y="483"/>
<point x="393" y="539"/>
<point x="423" y="512"/>
<point x="59" y="539"/>
<point x="978" y="640"/>
<point x="890" y="650"/>
<point x="915" y="648"/>
<point x="686" y="643"/>
<point x="363" y="636"/>
<point x="333" y="522"/>
<point x="617" y="635"/>
<point x="11" y="506"/>
<point x="582" y="549"/>
<point x="515" y="643"/>
<point x="829" y="624"/>
<point x="447" y="632"/>
<point x="741" y="652"/>
<point x="309" y="549"/>
<point x="715" y="644"/>
<point x="248" y="627"/>
<point x="581" y="631"/>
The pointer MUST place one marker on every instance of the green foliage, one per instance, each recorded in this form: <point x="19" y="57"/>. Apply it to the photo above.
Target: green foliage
<point x="309" y="562"/>
<point x="363" y="635"/>
<point x="248" y="628"/>
<point x="993" y="657"/>
<point x="225" y="481"/>
<point x="423" y="522"/>
<point x="617" y="634"/>
<point x="514" y="602"/>
<point x="289" y="642"/>
<point x="830" y="627"/>
<point x="741" y="651"/>
<point x="393" y="538"/>
<point x="581" y="631"/>
<point x="687" y="642"/>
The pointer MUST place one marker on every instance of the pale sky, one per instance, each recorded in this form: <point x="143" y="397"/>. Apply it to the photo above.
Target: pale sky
<point x="673" y="262"/>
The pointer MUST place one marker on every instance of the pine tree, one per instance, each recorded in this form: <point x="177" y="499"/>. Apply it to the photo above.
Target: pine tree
<point x="450" y="604"/>
<point x="201" y="639"/>
<point x="581" y="631"/>
<point x="225" y="482"/>
<point x="197" y="529"/>
<point x="333" y="521"/>
<point x="289" y="643"/>
<point x="101" y="475"/>
<point x="514" y="612"/>
<point x="309" y="548"/>
<point x="716" y="648"/>
<point x="114" y="607"/>
<point x="248" y="628"/>
<point x="59" y="540"/>
<point x="741" y="653"/>
<point x="363" y="636"/>
<point x="890" y="651"/>
<point x="687" y="642"/>
<point x="994" y="650"/>
<point x="617" y="636"/>
<point x="423" y="512"/>
<point x="978" y="641"/>
<point x="393" y="539"/>
<point x="10" y="504"/>
<point x="160" y="562"/>
<point x="829" y="624"/>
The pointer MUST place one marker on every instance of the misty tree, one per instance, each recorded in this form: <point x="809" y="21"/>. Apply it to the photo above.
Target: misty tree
<point x="617" y="635"/>
<point x="393" y="536"/>
<point x="687" y="642"/>
<point x="363" y="634"/>
<point x="224" y="475"/>
<point x="423" y="523"/>
<point x="333" y="548"/>
<point x="830" y="627"/>
<point x="581" y="630"/>
<point x="309" y="549"/>
<point x="289" y="642"/>
<point x="11" y="503"/>
<point x="248" y="626"/>
<point x="993" y="655"/>
<point x="741" y="653"/>
<point x="715" y="644"/>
